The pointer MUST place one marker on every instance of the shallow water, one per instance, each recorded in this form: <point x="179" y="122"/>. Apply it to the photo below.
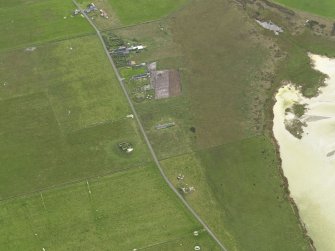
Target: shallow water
<point x="309" y="163"/>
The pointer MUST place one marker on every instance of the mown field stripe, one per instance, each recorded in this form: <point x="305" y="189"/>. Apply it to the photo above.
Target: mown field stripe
<point x="73" y="182"/>
<point x="145" y="135"/>
<point x="41" y="43"/>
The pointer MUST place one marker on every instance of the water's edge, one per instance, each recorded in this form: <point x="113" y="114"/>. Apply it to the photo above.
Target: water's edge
<point x="286" y="188"/>
<point x="307" y="163"/>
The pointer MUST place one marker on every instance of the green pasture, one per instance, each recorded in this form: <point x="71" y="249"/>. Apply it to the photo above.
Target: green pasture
<point x="74" y="74"/>
<point x="258" y="212"/>
<point x="62" y="117"/>
<point x="224" y="71"/>
<point x="127" y="210"/>
<point x="239" y="192"/>
<point x="36" y="153"/>
<point x="174" y="140"/>
<point x="26" y="22"/>
<point x="132" y="12"/>
<point x="203" y="240"/>
<point x="318" y="7"/>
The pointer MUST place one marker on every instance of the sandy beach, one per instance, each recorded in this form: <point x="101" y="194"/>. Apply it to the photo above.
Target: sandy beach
<point x="309" y="162"/>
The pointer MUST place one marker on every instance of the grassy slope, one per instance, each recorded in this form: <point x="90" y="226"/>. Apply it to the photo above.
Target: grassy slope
<point x="223" y="65"/>
<point x="127" y="210"/>
<point x="237" y="186"/>
<point x="319" y="7"/>
<point x="30" y="22"/>
<point x="131" y="11"/>
<point x="258" y="210"/>
<point x="63" y="116"/>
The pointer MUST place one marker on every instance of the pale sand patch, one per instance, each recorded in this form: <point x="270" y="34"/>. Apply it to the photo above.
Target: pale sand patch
<point x="309" y="163"/>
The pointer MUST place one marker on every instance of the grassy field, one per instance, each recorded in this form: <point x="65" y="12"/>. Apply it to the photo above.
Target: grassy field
<point x="258" y="211"/>
<point x="74" y="74"/>
<point x="63" y="116"/>
<point x="230" y="71"/>
<point x="31" y="22"/>
<point x="223" y="71"/>
<point x="36" y="153"/>
<point x="132" y="12"/>
<point x="257" y="214"/>
<point x="132" y="209"/>
<point x="319" y="7"/>
<point x="65" y="184"/>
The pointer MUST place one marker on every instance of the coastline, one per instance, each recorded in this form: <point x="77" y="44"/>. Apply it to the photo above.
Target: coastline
<point x="286" y="188"/>
<point x="306" y="161"/>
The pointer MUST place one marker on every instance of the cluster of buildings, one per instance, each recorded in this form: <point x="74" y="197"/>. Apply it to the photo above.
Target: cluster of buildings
<point x="91" y="8"/>
<point x="125" y="50"/>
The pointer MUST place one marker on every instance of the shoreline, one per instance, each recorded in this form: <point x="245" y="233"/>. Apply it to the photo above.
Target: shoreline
<point x="286" y="188"/>
<point x="305" y="162"/>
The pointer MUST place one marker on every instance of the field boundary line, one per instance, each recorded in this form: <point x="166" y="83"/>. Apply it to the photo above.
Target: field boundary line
<point x="54" y="113"/>
<point x="73" y="182"/>
<point x="43" y="43"/>
<point x="192" y="211"/>
<point x="163" y="18"/>
<point x="181" y="237"/>
<point x="212" y="147"/>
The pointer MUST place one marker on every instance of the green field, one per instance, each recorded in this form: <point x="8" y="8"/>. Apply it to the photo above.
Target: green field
<point x="132" y="209"/>
<point x="132" y="12"/>
<point x="31" y="22"/>
<point x="318" y="7"/>
<point x="63" y="116"/>
<point x="256" y="214"/>
<point x="65" y="183"/>
<point x="230" y="71"/>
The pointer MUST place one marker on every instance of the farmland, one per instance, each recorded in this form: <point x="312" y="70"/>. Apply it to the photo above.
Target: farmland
<point x="33" y="22"/>
<point x="132" y="12"/>
<point x="126" y="210"/>
<point x="123" y="13"/>
<point x="68" y="105"/>
<point x="319" y="7"/>
<point x="221" y="141"/>
<point x="241" y="215"/>
<point x="65" y="181"/>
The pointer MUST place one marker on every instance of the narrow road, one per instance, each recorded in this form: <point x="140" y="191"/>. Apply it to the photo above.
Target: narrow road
<point x="145" y="134"/>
